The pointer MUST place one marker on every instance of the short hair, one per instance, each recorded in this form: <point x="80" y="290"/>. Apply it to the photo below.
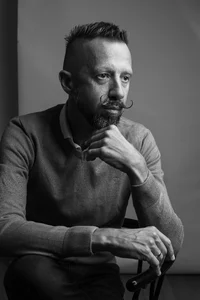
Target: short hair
<point x="91" y="31"/>
<point x="97" y="29"/>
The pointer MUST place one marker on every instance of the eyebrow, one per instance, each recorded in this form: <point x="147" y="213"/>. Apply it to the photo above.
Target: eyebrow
<point x="130" y="73"/>
<point x="107" y="69"/>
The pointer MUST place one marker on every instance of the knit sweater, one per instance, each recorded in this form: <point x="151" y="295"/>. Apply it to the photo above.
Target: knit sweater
<point x="52" y="200"/>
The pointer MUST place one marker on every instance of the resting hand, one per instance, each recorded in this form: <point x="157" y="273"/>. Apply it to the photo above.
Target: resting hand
<point x="110" y="145"/>
<point x="147" y="244"/>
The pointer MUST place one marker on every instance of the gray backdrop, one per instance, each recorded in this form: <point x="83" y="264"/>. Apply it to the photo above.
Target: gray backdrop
<point x="165" y="45"/>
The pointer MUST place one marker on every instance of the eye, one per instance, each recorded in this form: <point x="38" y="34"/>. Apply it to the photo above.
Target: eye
<point x="126" y="78"/>
<point x="103" y="76"/>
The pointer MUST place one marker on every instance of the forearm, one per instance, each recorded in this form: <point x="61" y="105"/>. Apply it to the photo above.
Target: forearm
<point x="150" y="197"/>
<point x="153" y="207"/>
<point x="20" y="237"/>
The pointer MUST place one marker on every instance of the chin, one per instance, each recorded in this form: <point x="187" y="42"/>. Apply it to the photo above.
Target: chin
<point x="100" y="121"/>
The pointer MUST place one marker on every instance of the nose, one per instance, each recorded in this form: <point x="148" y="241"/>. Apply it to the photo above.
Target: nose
<point x="116" y="91"/>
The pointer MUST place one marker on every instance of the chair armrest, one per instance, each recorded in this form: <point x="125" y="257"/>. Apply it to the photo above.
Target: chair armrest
<point x="141" y="280"/>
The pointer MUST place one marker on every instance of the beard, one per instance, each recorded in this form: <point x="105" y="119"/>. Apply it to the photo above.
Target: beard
<point x="103" y="116"/>
<point x="103" y="119"/>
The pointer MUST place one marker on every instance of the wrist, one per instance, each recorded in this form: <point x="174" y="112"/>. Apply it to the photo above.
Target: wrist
<point x="101" y="239"/>
<point x="138" y="172"/>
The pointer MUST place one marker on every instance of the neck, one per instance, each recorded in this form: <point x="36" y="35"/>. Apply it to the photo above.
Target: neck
<point x="80" y="128"/>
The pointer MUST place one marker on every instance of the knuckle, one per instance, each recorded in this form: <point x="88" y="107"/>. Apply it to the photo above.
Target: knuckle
<point x="107" y="133"/>
<point x="105" y="141"/>
<point x="153" y="229"/>
<point x="102" y="151"/>
<point x="155" y="235"/>
<point x="158" y="241"/>
<point x="146" y="251"/>
<point x="169" y="243"/>
<point x="151" y="241"/>
<point x="112" y="127"/>
<point x="89" y="151"/>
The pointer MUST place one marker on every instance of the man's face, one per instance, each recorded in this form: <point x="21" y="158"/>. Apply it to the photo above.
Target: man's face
<point x="103" y="71"/>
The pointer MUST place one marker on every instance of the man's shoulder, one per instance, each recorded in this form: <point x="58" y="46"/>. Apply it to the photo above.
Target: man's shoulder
<point x="38" y="120"/>
<point x="128" y="126"/>
<point x="136" y="133"/>
<point x="41" y="115"/>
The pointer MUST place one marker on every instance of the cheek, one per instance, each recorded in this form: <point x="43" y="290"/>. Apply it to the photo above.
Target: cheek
<point x="90" y="96"/>
<point x="86" y="102"/>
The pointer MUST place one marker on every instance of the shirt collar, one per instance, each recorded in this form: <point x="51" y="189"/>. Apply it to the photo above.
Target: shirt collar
<point x="64" y="125"/>
<point x="67" y="134"/>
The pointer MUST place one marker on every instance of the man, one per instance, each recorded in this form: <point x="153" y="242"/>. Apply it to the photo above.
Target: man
<point x="66" y="175"/>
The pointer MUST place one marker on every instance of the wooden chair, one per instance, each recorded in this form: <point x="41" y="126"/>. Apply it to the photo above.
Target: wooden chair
<point x="142" y="279"/>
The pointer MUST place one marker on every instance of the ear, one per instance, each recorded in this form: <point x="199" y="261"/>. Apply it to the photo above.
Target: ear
<point x="65" y="78"/>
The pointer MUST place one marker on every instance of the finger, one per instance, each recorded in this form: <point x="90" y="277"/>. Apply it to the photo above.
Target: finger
<point x="110" y="127"/>
<point x="158" y="247"/>
<point x="163" y="250"/>
<point x="96" y="145"/>
<point x="157" y="251"/>
<point x="101" y="130"/>
<point x="160" y="257"/>
<point x="92" y="154"/>
<point x="154" y="263"/>
<point x="94" y="138"/>
<point x="101" y="133"/>
<point x="168" y="245"/>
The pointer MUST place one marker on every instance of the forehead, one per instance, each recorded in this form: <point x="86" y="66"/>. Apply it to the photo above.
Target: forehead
<point x="100" y="53"/>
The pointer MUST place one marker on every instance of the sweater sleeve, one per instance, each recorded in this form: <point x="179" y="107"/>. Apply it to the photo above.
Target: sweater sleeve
<point x="17" y="235"/>
<point x="151" y="200"/>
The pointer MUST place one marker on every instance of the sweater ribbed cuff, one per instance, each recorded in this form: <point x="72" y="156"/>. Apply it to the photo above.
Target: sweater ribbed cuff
<point x="141" y="184"/>
<point x="77" y="241"/>
<point x="148" y="193"/>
